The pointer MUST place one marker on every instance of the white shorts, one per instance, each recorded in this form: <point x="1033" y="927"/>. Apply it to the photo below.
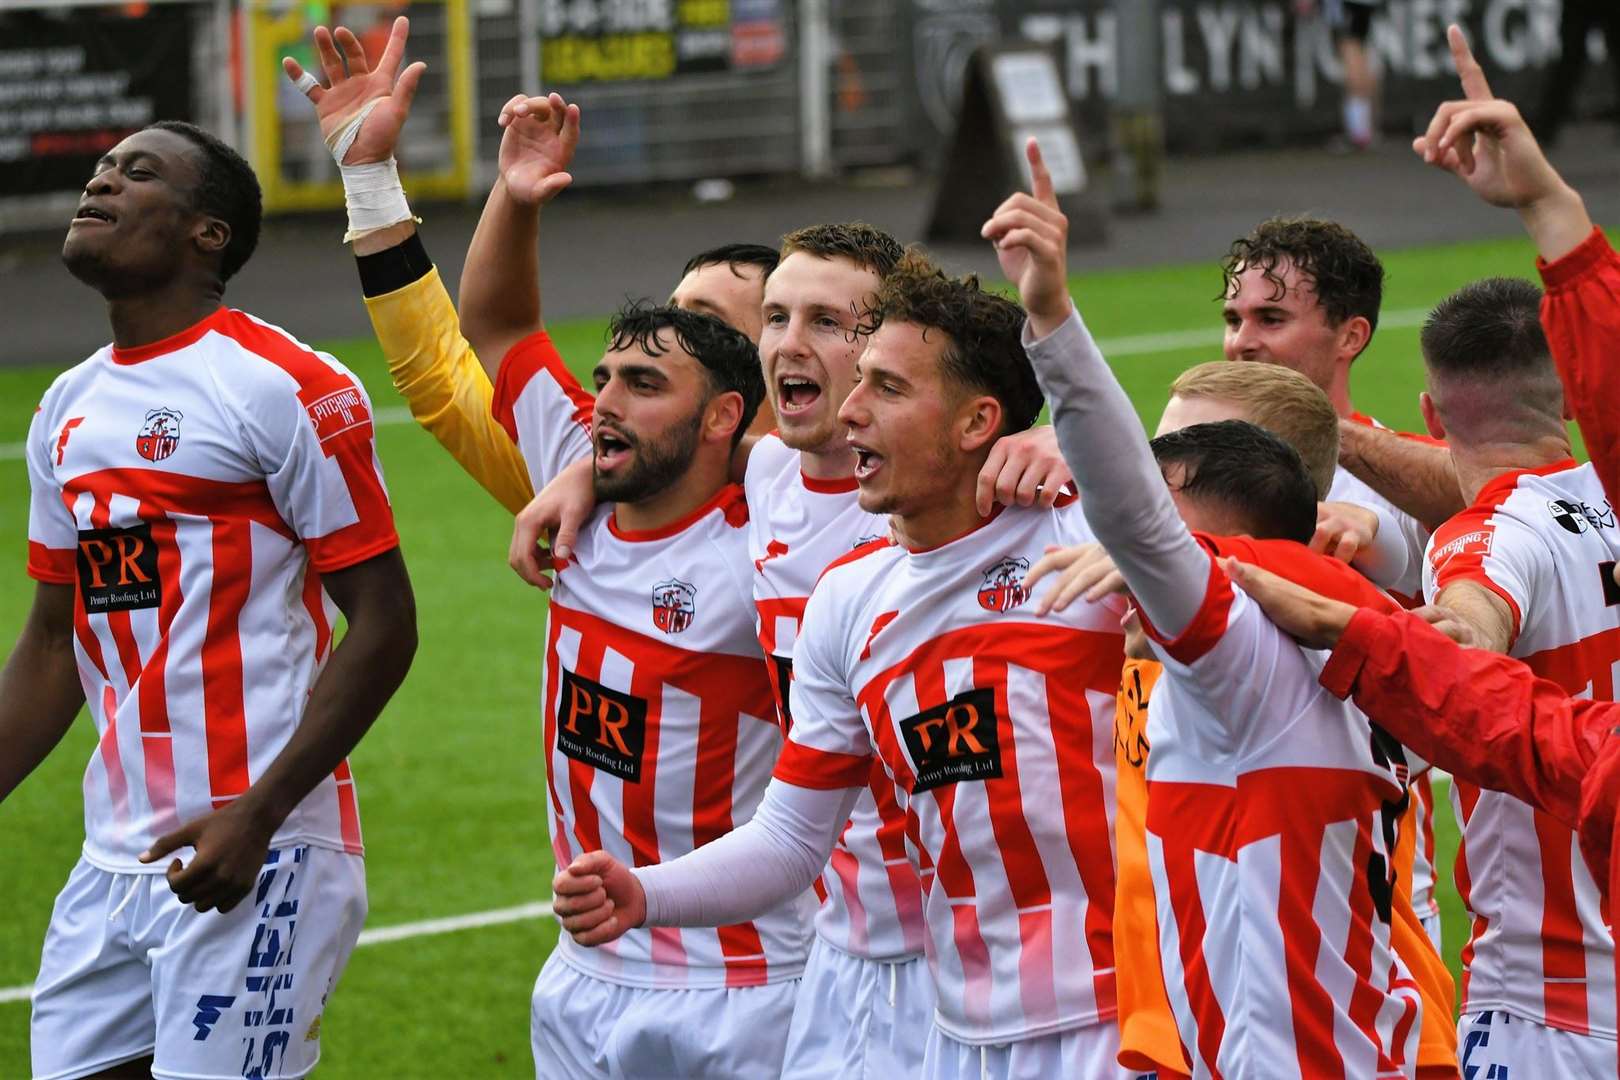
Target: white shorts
<point x="1091" y="1052"/>
<point x="581" y="1026"/>
<point x="1431" y="926"/>
<point x="127" y="970"/>
<point x="1494" y="1045"/>
<point x="859" y="1018"/>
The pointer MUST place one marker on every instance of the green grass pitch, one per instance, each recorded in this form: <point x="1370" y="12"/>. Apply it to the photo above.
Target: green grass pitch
<point x="450" y="778"/>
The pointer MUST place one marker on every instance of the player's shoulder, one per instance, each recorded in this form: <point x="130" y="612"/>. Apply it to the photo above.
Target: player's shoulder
<point x="266" y="357"/>
<point x="858" y="566"/>
<point x="73" y="379"/>
<point x="769" y="460"/>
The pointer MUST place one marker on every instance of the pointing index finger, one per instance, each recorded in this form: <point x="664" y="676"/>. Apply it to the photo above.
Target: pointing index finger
<point x="1474" y="84"/>
<point x="1040" y="179"/>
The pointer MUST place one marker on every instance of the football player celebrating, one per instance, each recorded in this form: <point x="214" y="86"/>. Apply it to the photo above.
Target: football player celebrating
<point x="919" y="650"/>
<point x="1271" y="810"/>
<point x="203" y="490"/>
<point x="1526" y="570"/>
<point x="361" y="112"/>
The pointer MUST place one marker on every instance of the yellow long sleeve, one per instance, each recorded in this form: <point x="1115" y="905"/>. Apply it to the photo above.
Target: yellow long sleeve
<point x="440" y="378"/>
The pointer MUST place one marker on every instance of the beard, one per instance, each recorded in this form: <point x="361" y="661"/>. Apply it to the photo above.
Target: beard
<point x="658" y="462"/>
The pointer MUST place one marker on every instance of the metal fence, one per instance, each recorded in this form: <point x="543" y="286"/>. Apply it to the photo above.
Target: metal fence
<point x="685" y="89"/>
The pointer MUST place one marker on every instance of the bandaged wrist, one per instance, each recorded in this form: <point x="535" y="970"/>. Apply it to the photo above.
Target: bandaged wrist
<point x="374" y="197"/>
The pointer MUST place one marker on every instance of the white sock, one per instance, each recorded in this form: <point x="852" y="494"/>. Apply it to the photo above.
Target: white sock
<point x="1358" y="119"/>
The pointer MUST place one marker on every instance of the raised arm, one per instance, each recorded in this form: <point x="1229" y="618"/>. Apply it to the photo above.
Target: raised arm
<point x="1485" y="142"/>
<point x="1125" y="498"/>
<point x="430" y="363"/>
<point x="500" y="283"/>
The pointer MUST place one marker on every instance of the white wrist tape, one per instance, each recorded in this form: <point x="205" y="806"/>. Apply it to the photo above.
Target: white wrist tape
<point x="372" y="192"/>
<point x="374" y="198"/>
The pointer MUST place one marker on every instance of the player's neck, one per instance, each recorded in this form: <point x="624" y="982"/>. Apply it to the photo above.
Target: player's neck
<point x="836" y="462"/>
<point x="141" y="320"/>
<point x="1478" y="465"/>
<point x="941" y="520"/>
<point x="1339" y="394"/>
<point x="679" y="500"/>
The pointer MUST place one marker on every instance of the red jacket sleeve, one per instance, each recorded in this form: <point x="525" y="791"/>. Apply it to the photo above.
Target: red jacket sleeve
<point x="1581" y="315"/>
<point x="1479" y="715"/>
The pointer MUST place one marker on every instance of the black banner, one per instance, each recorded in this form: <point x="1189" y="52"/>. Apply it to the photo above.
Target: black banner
<point x="73" y="83"/>
<point x="1237" y="71"/>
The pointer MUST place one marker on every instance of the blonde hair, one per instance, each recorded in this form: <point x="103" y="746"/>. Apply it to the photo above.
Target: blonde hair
<point x="1282" y="401"/>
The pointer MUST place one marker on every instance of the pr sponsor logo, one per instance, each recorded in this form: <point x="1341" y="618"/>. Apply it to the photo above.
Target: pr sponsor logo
<point x="118" y="569"/>
<point x="600" y="727"/>
<point x="956" y="741"/>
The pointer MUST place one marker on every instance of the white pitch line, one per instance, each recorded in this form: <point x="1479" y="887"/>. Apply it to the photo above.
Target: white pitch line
<point x="1135" y="345"/>
<point x="384" y="934"/>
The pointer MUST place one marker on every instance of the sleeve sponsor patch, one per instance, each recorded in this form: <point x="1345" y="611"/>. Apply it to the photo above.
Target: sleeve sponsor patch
<point x="341" y="410"/>
<point x="1475" y="543"/>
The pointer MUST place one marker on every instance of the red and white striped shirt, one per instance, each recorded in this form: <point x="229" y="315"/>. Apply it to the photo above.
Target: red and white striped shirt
<point x="193" y="490"/>
<point x="872" y="892"/>
<point x="1545" y="541"/>
<point x="660" y="726"/>
<point x="996" y="730"/>
<point x="1272" y="810"/>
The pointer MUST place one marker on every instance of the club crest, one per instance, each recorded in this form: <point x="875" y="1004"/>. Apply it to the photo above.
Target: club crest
<point x="1003" y="587"/>
<point x="674" y="605"/>
<point x="159" y="436"/>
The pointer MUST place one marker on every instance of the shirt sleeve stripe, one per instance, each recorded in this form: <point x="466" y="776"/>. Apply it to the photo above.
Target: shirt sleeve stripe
<point x="822" y="770"/>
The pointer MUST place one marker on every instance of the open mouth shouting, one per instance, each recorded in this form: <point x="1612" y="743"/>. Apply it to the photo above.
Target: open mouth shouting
<point x="613" y="449"/>
<point x="796" y="394"/>
<point x="867" y="461"/>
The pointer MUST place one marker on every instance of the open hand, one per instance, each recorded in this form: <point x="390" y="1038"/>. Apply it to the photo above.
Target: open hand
<point x="537" y="146"/>
<point x="556" y="513"/>
<point x="347" y="93"/>
<point x="1343" y="530"/>
<point x="597" y="899"/>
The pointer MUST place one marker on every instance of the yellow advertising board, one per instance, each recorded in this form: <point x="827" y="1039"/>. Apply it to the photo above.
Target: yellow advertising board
<point x="295" y="170"/>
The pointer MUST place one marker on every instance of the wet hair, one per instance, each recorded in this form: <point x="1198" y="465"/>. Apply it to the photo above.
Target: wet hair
<point x="984" y="350"/>
<point x="227" y="190"/>
<point x="864" y="245"/>
<point x="735" y="256"/>
<point x="731" y="360"/>
<point x="1486" y="330"/>
<point x="1246" y="470"/>
<point x="1347" y="277"/>
<point x="1279" y="399"/>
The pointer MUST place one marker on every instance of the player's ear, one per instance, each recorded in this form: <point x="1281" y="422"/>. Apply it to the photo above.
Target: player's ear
<point x="1431" y="416"/>
<point x="722" y="417"/>
<point x="979" y="421"/>
<point x="211" y="235"/>
<point x="1354" y="335"/>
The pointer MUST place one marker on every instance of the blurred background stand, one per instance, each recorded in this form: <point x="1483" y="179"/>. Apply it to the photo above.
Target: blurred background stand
<point x="1138" y="112"/>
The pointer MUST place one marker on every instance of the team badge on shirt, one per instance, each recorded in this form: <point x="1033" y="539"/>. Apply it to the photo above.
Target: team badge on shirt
<point x="674" y="605"/>
<point x="159" y="436"/>
<point x="1003" y="587"/>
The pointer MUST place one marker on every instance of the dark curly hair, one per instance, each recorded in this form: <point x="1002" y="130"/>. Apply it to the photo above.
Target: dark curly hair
<point x="1248" y="471"/>
<point x="228" y="190"/>
<point x="731" y="360"/>
<point x="1347" y="276"/>
<point x="860" y="243"/>
<point x="983" y="350"/>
